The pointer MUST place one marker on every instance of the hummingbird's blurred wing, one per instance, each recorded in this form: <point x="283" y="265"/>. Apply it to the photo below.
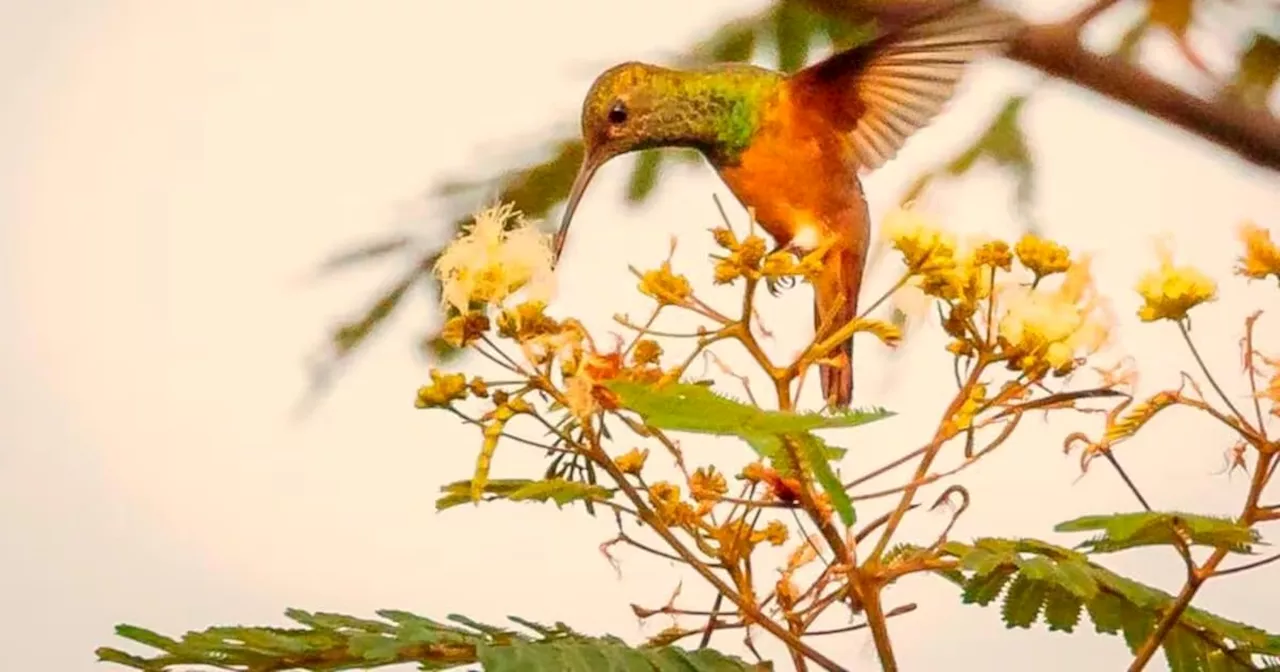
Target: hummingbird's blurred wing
<point x="883" y="91"/>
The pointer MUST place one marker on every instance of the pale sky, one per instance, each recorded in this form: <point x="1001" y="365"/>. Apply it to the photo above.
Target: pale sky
<point x="174" y="171"/>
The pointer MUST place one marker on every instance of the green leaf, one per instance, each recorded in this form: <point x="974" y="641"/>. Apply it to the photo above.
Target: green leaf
<point x="815" y="454"/>
<point x="1127" y="48"/>
<point x="370" y="251"/>
<point x="696" y="408"/>
<point x="644" y="177"/>
<point x="1153" y="528"/>
<point x="1258" y="72"/>
<point x="337" y="642"/>
<point x="590" y="655"/>
<point x="794" y="27"/>
<point x="1022" y="602"/>
<point x="1056" y="582"/>
<point x="1062" y="609"/>
<point x="558" y="490"/>
<point x="983" y="589"/>
<point x="1004" y="144"/>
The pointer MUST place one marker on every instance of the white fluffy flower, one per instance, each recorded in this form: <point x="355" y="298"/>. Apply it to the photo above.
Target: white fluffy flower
<point x="491" y="260"/>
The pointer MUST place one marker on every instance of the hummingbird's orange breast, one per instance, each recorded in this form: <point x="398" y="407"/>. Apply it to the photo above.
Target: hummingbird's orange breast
<point x="797" y="176"/>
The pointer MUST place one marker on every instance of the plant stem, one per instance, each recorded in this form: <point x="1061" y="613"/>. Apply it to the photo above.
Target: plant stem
<point x="1186" y="336"/>
<point x="748" y="609"/>
<point x="879" y="626"/>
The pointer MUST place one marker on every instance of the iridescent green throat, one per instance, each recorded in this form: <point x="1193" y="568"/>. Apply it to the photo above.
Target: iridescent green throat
<point x="717" y="110"/>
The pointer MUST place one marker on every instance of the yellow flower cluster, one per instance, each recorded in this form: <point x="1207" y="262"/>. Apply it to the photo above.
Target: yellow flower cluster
<point x="500" y="253"/>
<point x="1037" y="330"/>
<point x="1047" y="330"/>
<point x="1170" y="291"/>
<point x="1261" y="255"/>
<point x="751" y="259"/>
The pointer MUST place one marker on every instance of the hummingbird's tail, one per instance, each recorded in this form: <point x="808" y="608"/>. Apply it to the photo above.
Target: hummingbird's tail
<point x="835" y="304"/>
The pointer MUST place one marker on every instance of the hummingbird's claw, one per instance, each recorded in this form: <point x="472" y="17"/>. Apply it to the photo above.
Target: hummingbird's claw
<point x="776" y="285"/>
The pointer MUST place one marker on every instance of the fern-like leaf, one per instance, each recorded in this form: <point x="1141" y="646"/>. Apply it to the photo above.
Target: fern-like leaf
<point x="1153" y="528"/>
<point x="696" y="408"/>
<point x="1056" y="585"/>
<point x="558" y="490"/>
<point x="337" y="642"/>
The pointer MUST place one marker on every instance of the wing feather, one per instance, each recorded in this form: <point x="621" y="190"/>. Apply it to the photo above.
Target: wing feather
<point x="891" y="87"/>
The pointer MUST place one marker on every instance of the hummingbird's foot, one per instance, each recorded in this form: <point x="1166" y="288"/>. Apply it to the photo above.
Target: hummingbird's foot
<point x="776" y="285"/>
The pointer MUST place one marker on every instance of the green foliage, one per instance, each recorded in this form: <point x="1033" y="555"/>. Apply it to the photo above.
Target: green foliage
<point x="1043" y="582"/>
<point x="696" y="408"/>
<point x="337" y="642"/>
<point x="558" y="490"/>
<point x="1122" y="531"/>
<point x="688" y="407"/>
<point x="1004" y="144"/>
<point x="1258" y="72"/>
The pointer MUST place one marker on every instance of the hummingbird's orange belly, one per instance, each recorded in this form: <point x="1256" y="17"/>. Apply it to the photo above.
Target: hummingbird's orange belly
<point x="798" y="186"/>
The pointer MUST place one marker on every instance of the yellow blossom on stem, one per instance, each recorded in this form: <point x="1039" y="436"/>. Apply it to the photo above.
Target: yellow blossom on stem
<point x="666" y="287"/>
<point x="632" y="461"/>
<point x="1170" y="291"/>
<point x="775" y="533"/>
<point x="500" y="253"/>
<point x="707" y="484"/>
<point x="461" y="330"/>
<point x="445" y="388"/>
<point x="924" y="247"/>
<point x="1261" y="254"/>
<point x="525" y="321"/>
<point x="1042" y="257"/>
<point x="646" y="351"/>
<point x="1045" y="330"/>
<point x="995" y="254"/>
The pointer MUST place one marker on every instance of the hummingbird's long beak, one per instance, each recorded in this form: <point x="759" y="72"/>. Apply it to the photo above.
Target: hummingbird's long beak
<point x="590" y="163"/>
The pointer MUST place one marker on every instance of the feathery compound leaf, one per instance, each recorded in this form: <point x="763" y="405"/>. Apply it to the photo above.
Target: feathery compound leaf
<point x="1152" y="528"/>
<point x="1062" y="609"/>
<point x="337" y="642"/>
<point x="1057" y="582"/>
<point x="1131" y="422"/>
<point x="696" y="408"/>
<point x="590" y="655"/>
<point x="1022" y="602"/>
<point x="558" y="490"/>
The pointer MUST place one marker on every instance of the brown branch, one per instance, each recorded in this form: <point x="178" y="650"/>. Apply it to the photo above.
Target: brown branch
<point x="1055" y="50"/>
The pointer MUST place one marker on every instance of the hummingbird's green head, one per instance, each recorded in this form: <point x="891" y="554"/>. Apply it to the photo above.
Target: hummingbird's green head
<point x="635" y="106"/>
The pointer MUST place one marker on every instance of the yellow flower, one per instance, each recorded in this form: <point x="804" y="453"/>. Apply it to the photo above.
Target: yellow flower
<point x="775" y="533"/>
<point x="526" y="321"/>
<point x="647" y="351"/>
<point x="1043" y="330"/>
<point x="924" y="247"/>
<point x="1042" y="257"/>
<point x="500" y="253"/>
<point x="995" y="254"/>
<point x="665" y="286"/>
<point x="445" y="388"/>
<point x="1170" y="291"/>
<point x="707" y="484"/>
<point x="460" y="330"/>
<point x="1261" y="254"/>
<point x="632" y="461"/>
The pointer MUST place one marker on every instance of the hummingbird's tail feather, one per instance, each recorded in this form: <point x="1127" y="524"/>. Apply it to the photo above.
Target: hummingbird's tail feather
<point x="835" y="304"/>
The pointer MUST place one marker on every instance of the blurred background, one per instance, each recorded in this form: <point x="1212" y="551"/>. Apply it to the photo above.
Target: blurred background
<point x="199" y="426"/>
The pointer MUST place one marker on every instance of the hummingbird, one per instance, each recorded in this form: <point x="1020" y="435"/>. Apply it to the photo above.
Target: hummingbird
<point x="793" y="148"/>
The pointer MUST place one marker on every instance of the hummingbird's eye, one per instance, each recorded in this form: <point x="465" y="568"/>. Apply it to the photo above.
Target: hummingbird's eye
<point x="618" y="113"/>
